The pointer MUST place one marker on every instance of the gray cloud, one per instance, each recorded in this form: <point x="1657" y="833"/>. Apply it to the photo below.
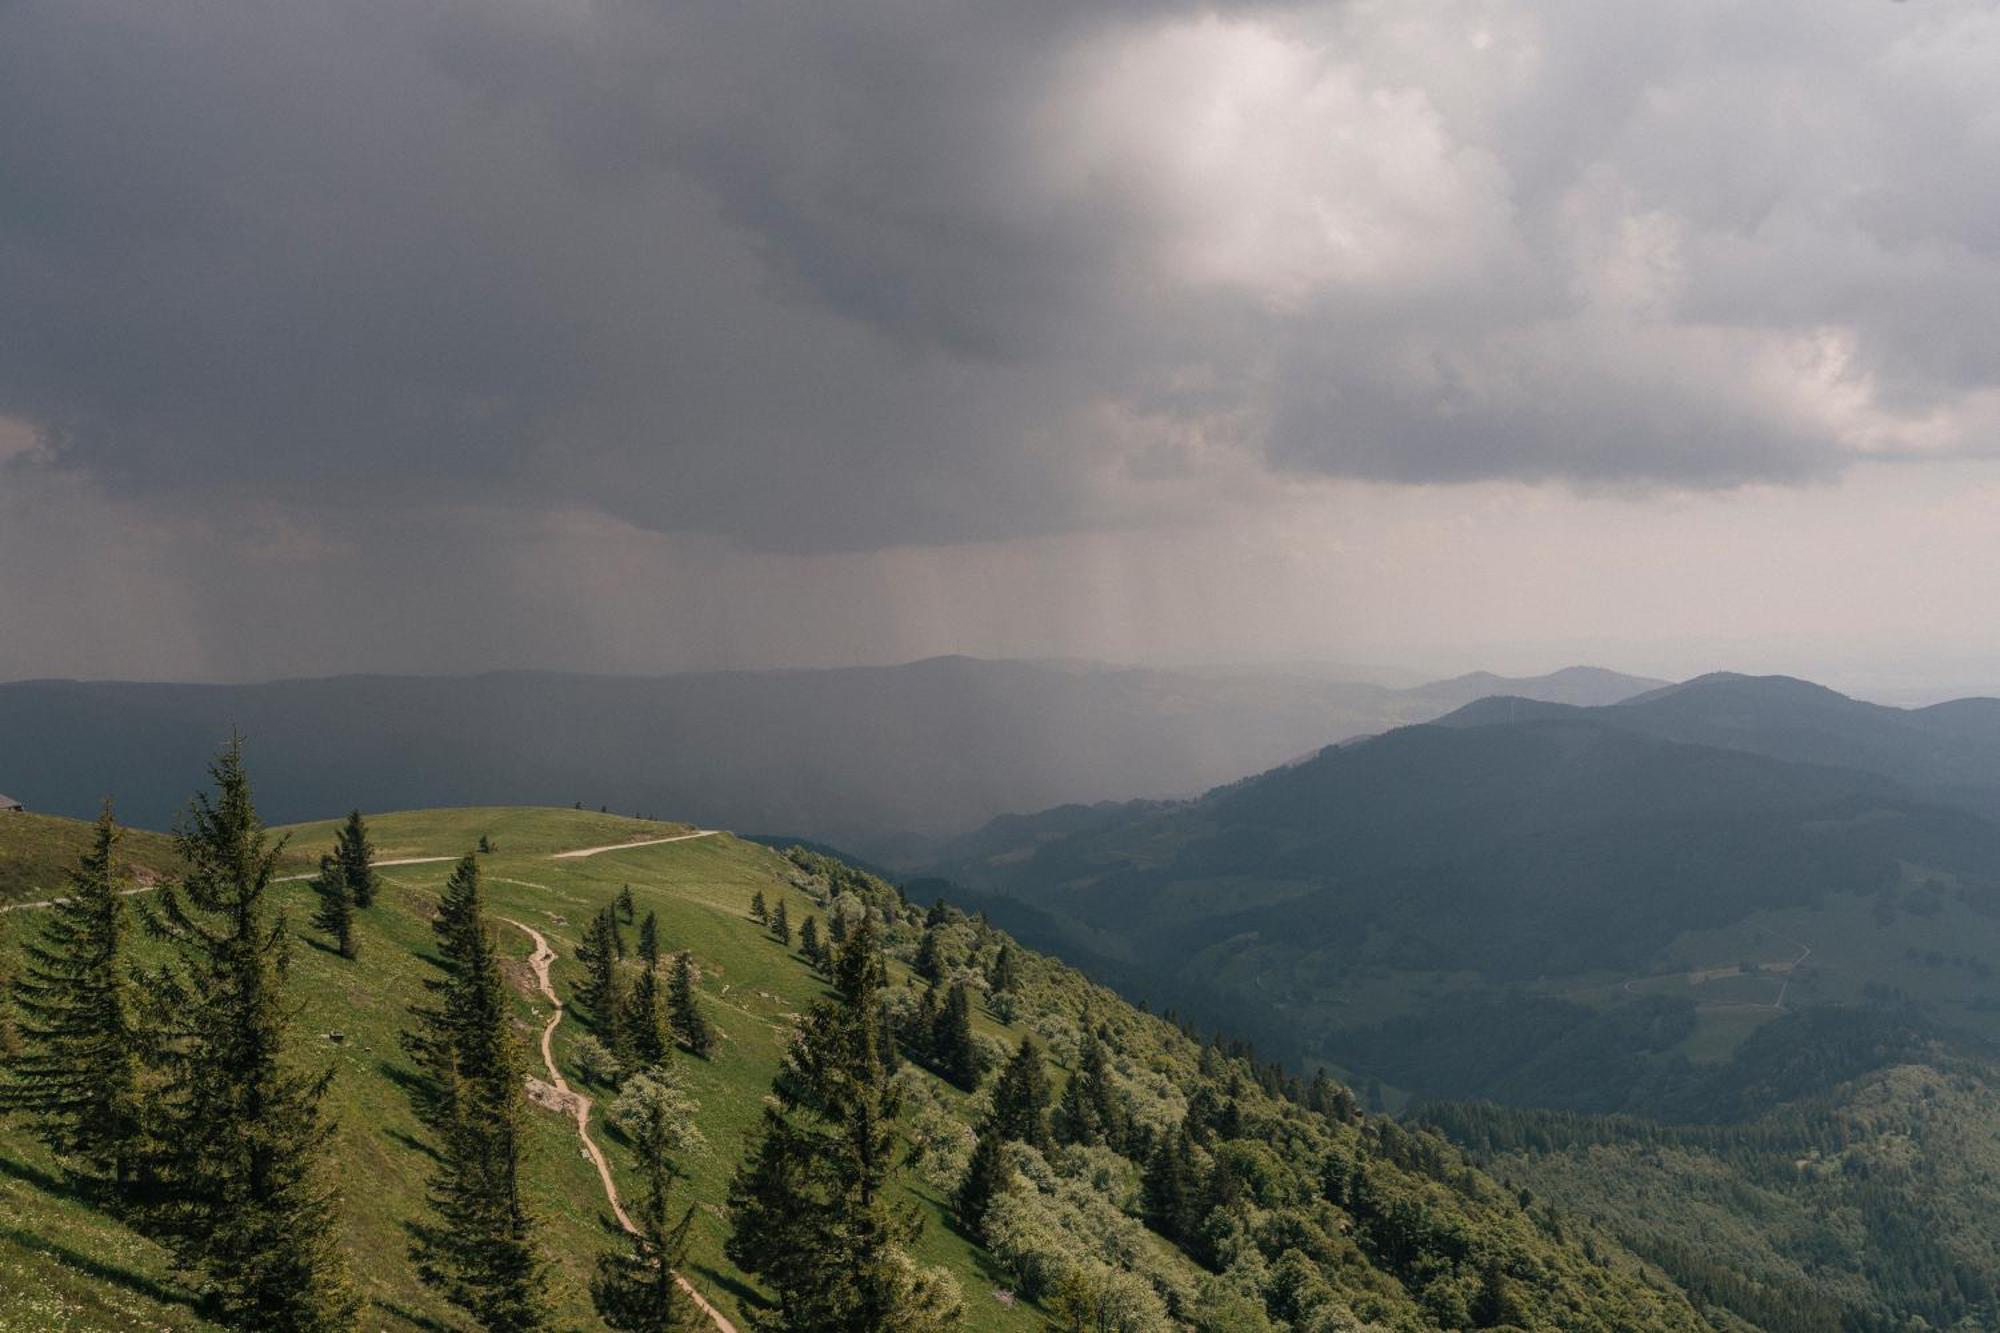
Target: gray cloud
<point x="845" y="276"/>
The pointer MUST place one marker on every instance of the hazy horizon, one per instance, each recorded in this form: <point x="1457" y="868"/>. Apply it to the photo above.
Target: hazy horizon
<point x="1913" y="687"/>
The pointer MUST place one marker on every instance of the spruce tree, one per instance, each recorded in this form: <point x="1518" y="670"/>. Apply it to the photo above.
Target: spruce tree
<point x="952" y="1046"/>
<point x="1172" y="1187"/>
<point x="649" y="940"/>
<point x="356" y="856"/>
<point x="600" y="992"/>
<point x="758" y="912"/>
<point x="928" y="964"/>
<point x="335" y="913"/>
<point x="1004" y="979"/>
<point x="809" y="1208"/>
<point x="781" y="924"/>
<point x="646" y="1027"/>
<point x="1092" y="1110"/>
<point x="985" y="1176"/>
<point x="1021" y="1099"/>
<point x="77" y="1074"/>
<point x="635" y="1290"/>
<point x="809" y="941"/>
<point x="238" y="1186"/>
<point x="920" y="1031"/>
<point x="625" y="904"/>
<point x="478" y="1249"/>
<point x="691" y="1025"/>
<point x="937" y="916"/>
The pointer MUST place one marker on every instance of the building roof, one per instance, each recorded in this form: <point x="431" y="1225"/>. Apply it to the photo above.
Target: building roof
<point x="9" y="803"/>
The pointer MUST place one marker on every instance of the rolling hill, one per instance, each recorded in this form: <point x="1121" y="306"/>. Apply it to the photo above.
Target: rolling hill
<point x="1947" y="752"/>
<point x="876" y="758"/>
<point x="1331" y="1215"/>
<point x="37" y="850"/>
<point x="1441" y="907"/>
<point x="1712" y="965"/>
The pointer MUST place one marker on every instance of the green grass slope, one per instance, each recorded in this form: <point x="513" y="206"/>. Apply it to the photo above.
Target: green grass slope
<point x="1405" y="1239"/>
<point x="37" y="851"/>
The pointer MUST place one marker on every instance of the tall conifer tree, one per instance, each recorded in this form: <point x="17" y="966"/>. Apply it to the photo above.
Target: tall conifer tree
<point x="951" y="1043"/>
<point x="238" y="1190"/>
<point x="691" y="1025"/>
<point x="928" y="963"/>
<point x="647" y="1027"/>
<point x="479" y="1250"/>
<point x="600" y="992"/>
<point x="1021" y="1098"/>
<point x="77" y="1077"/>
<point x="809" y="1208"/>
<point x="356" y="856"/>
<point x="1092" y="1110"/>
<point x="335" y="913"/>
<point x="985" y="1176"/>
<point x="1171" y="1190"/>
<point x="1004" y="977"/>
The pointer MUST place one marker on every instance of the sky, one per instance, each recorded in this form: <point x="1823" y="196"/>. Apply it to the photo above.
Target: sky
<point x="419" y="335"/>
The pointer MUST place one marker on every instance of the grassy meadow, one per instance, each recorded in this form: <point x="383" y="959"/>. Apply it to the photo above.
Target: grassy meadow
<point x="65" y="1266"/>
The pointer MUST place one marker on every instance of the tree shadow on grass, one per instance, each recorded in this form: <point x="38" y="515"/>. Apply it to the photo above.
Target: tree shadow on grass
<point x="746" y="1295"/>
<point x="97" y="1268"/>
<point x="49" y="1182"/>
<point x="409" y="1080"/>
<point x="411" y="1317"/>
<point x="414" y="1144"/>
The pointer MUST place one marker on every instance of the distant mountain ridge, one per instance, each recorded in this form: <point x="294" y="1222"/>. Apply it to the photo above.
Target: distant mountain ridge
<point x="858" y="756"/>
<point x="1580" y="685"/>
<point x="1543" y="902"/>
<point x="1948" y="751"/>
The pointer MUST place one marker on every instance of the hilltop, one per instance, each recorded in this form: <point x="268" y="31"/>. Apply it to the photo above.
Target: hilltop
<point x="1331" y="1211"/>
<point x="1947" y="752"/>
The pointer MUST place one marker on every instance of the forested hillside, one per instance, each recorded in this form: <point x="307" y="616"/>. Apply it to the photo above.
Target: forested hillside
<point x="1947" y="752"/>
<point x="1555" y="910"/>
<point x="1869" y="1207"/>
<point x="1738" y="1008"/>
<point x="1058" y="1156"/>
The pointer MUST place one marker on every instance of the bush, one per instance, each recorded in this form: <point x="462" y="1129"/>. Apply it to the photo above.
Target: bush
<point x="659" y="1092"/>
<point x="594" y="1062"/>
<point x="1051" y="1225"/>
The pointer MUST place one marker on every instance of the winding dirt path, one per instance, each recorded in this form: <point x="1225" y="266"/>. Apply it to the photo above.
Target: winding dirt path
<point x="543" y="956"/>
<point x="577" y="854"/>
<point x="582" y="852"/>
<point x="276" y="879"/>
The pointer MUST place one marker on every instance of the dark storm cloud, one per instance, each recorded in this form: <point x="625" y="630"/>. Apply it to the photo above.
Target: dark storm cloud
<point x="838" y="276"/>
